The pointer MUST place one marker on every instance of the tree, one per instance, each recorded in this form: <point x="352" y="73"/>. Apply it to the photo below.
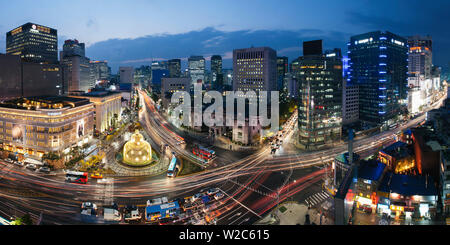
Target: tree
<point x="25" y="220"/>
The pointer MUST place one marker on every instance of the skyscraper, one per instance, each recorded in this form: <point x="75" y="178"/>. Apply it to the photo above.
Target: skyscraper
<point x="33" y="43"/>
<point x="320" y="84"/>
<point x="255" y="69"/>
<point x="282" y="70"/>
<point x="378" y="65"/>
<point x="126" y="74"/>
<point x="420" y="56"/>
<point x="175" y="68"/>
<point x="196" y="66"/>
<point x="216" y="72"/>
<point x="100" y="70"/>
<point x="77" y="69"/>
<point x="143" y="76"/>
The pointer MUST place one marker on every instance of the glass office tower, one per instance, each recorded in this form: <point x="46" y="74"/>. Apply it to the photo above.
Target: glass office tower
<point x="175" y="68"/>
<point x="33" y="43"/>
<point x="320" y="109"/>
<point x="378" y="63"/>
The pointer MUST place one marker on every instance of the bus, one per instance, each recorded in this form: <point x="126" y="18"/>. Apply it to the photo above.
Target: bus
<point x="173" y="168"/>
<point x="76" y="177"/>
<point x="204" y="153"/>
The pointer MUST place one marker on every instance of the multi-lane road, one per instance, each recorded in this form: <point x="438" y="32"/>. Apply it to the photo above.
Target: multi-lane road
<point x="253" y="185"/>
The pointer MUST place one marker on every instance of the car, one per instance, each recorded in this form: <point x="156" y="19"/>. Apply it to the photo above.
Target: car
<point x="212" y="191"/>
<point x="366" y="209"/>
<point x="31" y="166"/>
<point x="44" y="170"/>
<point x="218" y="196"/>
<point x="20" y="164"/>
<point x="88" y="205"/>
<point x="8" y="160"/>
<point x="104" y="181"/>
<point x="196" y="196"/>
<point x="97" y="176"/>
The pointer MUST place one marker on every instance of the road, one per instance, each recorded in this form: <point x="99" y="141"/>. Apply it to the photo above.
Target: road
<point x="254" y="184"/>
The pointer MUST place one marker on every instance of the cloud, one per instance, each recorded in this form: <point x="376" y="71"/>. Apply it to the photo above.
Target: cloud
<point x="289" y="50"/>
<point x="207" y="42"/>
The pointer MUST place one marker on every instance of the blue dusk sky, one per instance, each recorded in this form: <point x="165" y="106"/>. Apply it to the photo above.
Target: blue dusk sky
<point x="135" y="32"/>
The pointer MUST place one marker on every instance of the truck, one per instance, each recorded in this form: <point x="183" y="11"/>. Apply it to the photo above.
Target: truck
<point x="132" y="214"/>
<point x="111" y="214"/>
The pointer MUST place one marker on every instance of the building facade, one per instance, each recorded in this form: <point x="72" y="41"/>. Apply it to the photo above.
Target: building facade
<point x="216" y="72"/>
<point x="35" y="126"/>
<point x="126" y="74"/>
<point x="19" y="78"/>
<point x="77" y="68"/>
<point x="420" y="56"/>
<point x="175" y="68"/>
<point x="196" y="66"/>
<point x="320" y="106"/>
<point x="169" y="86"/>
<point x="255" y="69"/>
<point x="282" y="70"/>
<point x="378" y="65"/>
<point x="33" y="43"/>
<point x="100" y="71"/>
<point x="143" y="76"/>
<point x="350" y="103"/>
<point x="108" y="108"/>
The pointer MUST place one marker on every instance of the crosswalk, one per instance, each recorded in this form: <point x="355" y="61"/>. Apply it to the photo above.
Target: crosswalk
<point x="105" y="193"/>
<point x="253" y="189"/>
<point x="317" y="198"/>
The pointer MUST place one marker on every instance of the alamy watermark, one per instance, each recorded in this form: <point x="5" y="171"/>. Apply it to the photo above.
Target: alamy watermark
<point x="214" y="114"/>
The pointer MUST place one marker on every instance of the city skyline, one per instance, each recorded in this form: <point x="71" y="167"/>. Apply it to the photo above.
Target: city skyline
<point x="219" y="32"/>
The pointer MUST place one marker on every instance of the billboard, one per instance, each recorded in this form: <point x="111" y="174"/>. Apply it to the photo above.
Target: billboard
<point x="80" y="128"/>
<point x="18" y="134"/>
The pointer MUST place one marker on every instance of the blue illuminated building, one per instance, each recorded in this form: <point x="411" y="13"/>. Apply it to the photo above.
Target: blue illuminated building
<point x="378" y="64"/>
<point x="157" y="75"/>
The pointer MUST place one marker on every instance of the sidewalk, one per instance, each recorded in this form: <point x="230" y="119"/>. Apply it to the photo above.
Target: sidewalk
<point x="293" y="213"/>
<point x="226" y="144"/>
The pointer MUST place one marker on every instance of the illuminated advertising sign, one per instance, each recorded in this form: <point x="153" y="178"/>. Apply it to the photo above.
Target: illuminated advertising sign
<point x="18" y="134"/>
<point x="364" y="41"/>
<point x="397" y="42"/>
<point x="80" y="128"/>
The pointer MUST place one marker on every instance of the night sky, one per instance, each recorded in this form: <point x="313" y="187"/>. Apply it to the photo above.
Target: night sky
<point x="131" y="33"/>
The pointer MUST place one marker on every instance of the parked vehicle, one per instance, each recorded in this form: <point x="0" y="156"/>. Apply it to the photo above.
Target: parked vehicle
<point x="20" y="164"/>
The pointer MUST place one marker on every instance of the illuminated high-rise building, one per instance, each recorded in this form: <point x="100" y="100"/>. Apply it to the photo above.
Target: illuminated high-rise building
<point x="282" y="70"/>
<point x="420" y="56"/>
<point x="77" y="68"/>
<point x="320" y="85"/>
<point x="378" y="65"/>
<point x="255" y="69"/>
<point x="33" y="43"/>
<point x="216" y="72"/>
<point x="196" y="66"/>
<point x="175" y="68"/>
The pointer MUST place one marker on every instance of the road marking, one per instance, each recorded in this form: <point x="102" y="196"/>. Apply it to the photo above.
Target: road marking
<point x="241" y="204"/>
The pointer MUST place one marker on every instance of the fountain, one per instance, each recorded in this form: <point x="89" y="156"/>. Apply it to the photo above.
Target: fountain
<point x="137" y="152"/>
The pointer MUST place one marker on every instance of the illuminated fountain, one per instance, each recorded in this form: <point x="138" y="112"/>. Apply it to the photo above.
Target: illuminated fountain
<point x="137" y="151"/>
